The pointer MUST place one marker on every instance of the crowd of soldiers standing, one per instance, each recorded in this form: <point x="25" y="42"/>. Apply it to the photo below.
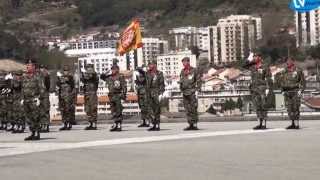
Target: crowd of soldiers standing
<point x="24" y="96"/>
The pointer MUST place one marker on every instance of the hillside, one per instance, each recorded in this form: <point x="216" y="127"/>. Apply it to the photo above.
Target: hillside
<point x="24" y="22"/>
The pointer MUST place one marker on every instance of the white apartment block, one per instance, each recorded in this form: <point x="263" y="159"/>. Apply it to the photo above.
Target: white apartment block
<point x="102" y="61"/>
<point x="76" y="49"/>
<point x="152" y="47"/>
<point x="186" y="37"/>
<point x="170" y="64"/>
<point x="233" y="38"/>
<point x="308" y="28"/>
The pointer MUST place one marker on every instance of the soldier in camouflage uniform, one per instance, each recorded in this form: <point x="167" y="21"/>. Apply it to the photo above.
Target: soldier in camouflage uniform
<point x="292" y="85"/>
<point x="155" y="89"/>
<point x="90" y="80"/>
<point x="190" y="83"/>
<point x="32" y="91"/>
<point x="117" y="86"/>
<point x="3" y="94"/>
<point x="260" y="87"/>
<point x="65" y="87"/>
<point x="18" y="115"/>
<point x="45" y="100"/>
<point x="141" y="88"/>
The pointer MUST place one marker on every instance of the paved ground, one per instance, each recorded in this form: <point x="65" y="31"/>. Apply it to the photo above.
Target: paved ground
<point x="229" y="150"/>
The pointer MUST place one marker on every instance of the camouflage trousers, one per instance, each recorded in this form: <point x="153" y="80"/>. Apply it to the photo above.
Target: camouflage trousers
<point x="91" y="106"/>
<point x="155" y="108"/>
<point x="3" y="112"/>
<point x="18" y="115"/>
<point x="260" y="103"/>
<point x="116" y="107"/>
<point x="190" y="104"/>
<point x="32" y="115"/>
<point x="45" y="110"/>
<point x="67" y="108"/>
<point x="144" y="106"/>
<point x="292" y="103"/>
<point x="9" y="112"/>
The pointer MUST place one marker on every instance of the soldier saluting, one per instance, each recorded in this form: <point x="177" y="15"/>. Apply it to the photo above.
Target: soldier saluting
<point x="260" y="87"/>
<point x="142" y="93"/>
<point x="190" y="84"/>
<point x="292" y="85"/>
<point x="90" y="80"/>
<point x="66" y="88"/>
<point x="117" y="91"/>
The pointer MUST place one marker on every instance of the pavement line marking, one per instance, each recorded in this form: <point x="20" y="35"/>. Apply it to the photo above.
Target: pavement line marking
<point x="12" y="149"/>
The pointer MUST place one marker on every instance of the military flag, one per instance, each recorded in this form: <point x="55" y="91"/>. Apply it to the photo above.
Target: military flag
<point x="131" y="38"/>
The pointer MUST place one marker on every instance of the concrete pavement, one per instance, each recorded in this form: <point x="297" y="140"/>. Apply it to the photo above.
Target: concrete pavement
<point x="229" y="150"/>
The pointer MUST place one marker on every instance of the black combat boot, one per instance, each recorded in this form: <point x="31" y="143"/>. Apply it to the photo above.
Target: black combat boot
<point x="69" y="126"/>
<point x="47" y="129"/>
<point x="37" y="136"/>
<point x="293" y="126"/>
<point x="191" y="127"/>
<point x="155" y="127"/>
<point x="116" y="127"/>
<point x="89" y="127"/>
<point x="260" y="126"/>
<point x="144" y="124"/>
<point x="15" y="131"/>
<point x="11" y="128"/>
<point x="31" y="137"/>
<point x="23" y="127"/>
<point x="65" y="127"/>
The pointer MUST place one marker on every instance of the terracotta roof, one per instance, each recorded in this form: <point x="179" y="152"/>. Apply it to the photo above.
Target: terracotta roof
<point x="105" y="99"/>
<point x="313" y="102"/>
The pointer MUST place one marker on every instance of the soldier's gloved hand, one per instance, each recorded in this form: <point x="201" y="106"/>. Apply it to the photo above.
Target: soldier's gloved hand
<point x="267" y="92"/>
<point x="8" y="77"/>
<point x="59" y="74"/>
<point x="83" y="70"/>
<point x="299" y="93"/>
<point x="160" y="97"/>
<point x="21" y="102"/>
<point x="37" y="101"/>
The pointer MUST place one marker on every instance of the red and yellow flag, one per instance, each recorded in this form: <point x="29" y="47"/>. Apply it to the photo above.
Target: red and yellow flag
<point x="131" y="38"/>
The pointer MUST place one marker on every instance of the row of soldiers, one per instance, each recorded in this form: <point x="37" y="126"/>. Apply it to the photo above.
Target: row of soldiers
<point x="290" y="81"/>
<point x="24" y="97"/>
<point x="149" y="84"/>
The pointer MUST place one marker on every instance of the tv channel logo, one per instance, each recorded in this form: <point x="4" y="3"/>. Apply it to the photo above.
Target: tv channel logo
<point x="304" y="5"/>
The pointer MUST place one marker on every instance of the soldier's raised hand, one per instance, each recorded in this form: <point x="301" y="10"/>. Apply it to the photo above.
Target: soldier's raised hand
<point x="59" y="74"/>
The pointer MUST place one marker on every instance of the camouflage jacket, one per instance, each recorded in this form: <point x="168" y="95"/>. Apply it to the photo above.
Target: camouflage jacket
<point x="141" y="83"/>
<point x="32" y="87"/>
<point x="260" y="79"/>
<point x="16" y="85"/>
<point x="3" y="88"/>
<point x="116" y="84"/>
<point x="91" y="82"/>
<point x="65" y="85"/>
<point x="155" y="83"/>
<point x="190" y="82"/>
<point x="45" y="78"/>
<point x="292" y="81"/>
